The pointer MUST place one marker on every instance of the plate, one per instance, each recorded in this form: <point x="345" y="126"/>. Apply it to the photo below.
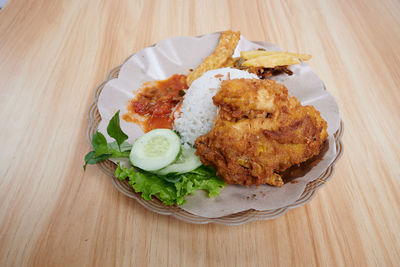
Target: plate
<point x="302" y="192"/>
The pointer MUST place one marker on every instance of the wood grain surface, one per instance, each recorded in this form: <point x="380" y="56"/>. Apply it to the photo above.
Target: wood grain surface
<point x="54" y="53"/>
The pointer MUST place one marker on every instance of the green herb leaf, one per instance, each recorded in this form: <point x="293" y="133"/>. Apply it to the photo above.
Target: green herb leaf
<point x="125" y="146"/>
<point x="114" y="130"/>
<point x="98" y="140"/>
<point x="92" y="158"/>
<point x="99" y="143"/>
<point x="103" y="150"/>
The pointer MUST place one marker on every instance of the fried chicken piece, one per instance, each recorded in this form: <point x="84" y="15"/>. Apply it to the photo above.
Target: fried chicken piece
<point x="259" y="132"/>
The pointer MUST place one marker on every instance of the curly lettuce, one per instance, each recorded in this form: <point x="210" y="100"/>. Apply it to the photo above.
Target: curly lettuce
<point x="170" y="193"/>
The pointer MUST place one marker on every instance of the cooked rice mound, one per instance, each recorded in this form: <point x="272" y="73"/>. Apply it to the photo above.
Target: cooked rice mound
<point x="198" y="112"/>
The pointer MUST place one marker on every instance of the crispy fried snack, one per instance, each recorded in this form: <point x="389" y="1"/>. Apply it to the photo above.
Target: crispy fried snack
<point x="223" y="52"/>
<point x="271" y="59"/>
<point x="260" y="53"/>
<point x="264" y="73"/>
<point x="259" y="132"/>
<point x="230" y="62"/>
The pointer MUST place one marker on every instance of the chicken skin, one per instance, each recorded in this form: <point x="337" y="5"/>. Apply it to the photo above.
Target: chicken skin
<point x="260" y="131"/>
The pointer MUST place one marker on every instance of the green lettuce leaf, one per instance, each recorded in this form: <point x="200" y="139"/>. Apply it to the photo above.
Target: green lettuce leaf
<point x="203" y="178"/>
<point x="149" y="184"/>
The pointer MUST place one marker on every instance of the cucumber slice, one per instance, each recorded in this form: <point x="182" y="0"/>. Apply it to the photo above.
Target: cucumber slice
<point x="155" y="149"/>
<point x="186" y="162"/>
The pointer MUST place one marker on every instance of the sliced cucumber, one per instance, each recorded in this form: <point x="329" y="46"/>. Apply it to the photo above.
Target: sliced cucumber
<point x="155" y="149"/>
<point x="186" y="162"/>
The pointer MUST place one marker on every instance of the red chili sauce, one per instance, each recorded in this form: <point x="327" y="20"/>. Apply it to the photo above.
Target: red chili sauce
<point x="156" y="102"/>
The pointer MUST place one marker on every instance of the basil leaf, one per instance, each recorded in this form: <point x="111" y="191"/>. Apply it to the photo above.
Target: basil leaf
<point x="98" y="140"/>
<point x="125" y="147"/>
<point x="118" y="154"/>
<point x="89" y="158"/>
<point x="92" y="158"/>
<point x="114" y="130"/>
<point x="99" y="143"/>
<point x="103" y="150"/>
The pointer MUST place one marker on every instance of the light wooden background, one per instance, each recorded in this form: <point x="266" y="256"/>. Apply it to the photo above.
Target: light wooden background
<point x="54" y="53"/>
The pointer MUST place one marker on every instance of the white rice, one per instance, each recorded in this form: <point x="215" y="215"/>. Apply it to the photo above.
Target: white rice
<point x="198" y="111"/>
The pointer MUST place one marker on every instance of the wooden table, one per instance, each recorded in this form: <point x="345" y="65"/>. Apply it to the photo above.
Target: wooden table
<point x="54" y="53"/>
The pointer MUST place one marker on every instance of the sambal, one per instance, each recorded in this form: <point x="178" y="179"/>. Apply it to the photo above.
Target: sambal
<point x="155" y="103"/>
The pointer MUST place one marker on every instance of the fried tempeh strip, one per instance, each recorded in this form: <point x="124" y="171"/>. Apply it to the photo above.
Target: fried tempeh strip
<point x="260" y="53"/>
<point x="224" y="50"/>
<point x="272" y="61"/>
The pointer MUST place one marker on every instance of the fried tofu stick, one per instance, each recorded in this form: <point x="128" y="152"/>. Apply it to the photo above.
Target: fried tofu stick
<point x="224" y="51"/>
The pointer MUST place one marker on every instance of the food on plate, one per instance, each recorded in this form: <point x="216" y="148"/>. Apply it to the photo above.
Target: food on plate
<point x="153" y="104"/>
<point x="162" y="166"/>
<point x="171" y="189"/>
<point x="186" y="162"/>
<point x="268" y="63"/>
<point x="265" y="73"/>
<point x="225" y="119"/>
<point x="103" y="150"/>
<point x="155" y="150"/>
<point x="272" y="61"/>
<point x="247" y="55"/>
<point x="197" y="113"/>
<point x="259" y="132"/>
<point x="230" y="63"/>
<point x="160" y="151"/>
<point x="222" y="53"/>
